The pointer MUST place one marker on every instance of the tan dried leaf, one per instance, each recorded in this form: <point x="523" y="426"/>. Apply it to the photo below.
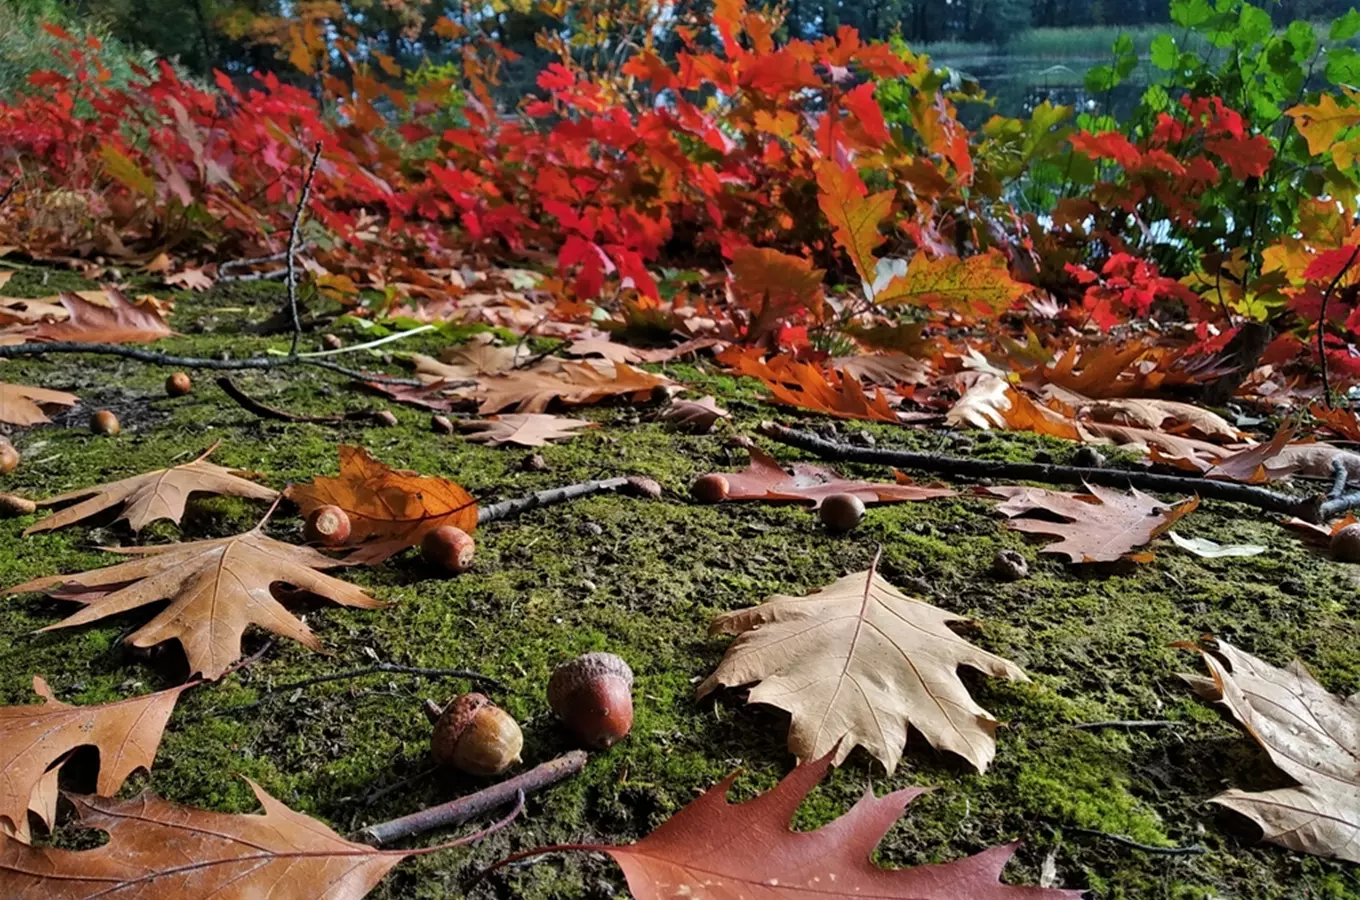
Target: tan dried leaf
<point x="479" y="356"/>
<point x="855" y="663"/>
<point x="145" y="498"/>
<point x="117" y="322"/>
<point x="32" y="738"/>
<point x="695" y="416"/>
<point x="765" y="479"/>
<point x="215" y="588"/>
<point x="1312" y="736"/>
<point x="24" y="405"/>
<point x="1101" y="527"/>
<point x="526" y="430"/>
<point x="575" y="383"/>
<point x="1161" y="415"/>
<point x="888" y="369"/>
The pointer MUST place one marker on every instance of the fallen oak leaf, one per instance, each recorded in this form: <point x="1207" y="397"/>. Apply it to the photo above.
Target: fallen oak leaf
<point x="1102" y="526"/>
<point x="1154" y="415"/>
<point x="807" y="386"/>
<point x="24" y="405"/>
<point x="389" y="509"/>
<point x="32" y="738"/>
<point x="887" y="369"/>
<point x="854" y="663"/>
<point x="435" y="396"/>
<point x="215" y="587"/>
<point x="715" y="850"/>
<point x="1309" y="734"/>
<point x="144" y="498"/>
<point x="695" y="416"/>
<point x="574" y="383"/>
<point x="765" y="479"/>
<point x="526" y="430"/>
<point x="120" y="322"/>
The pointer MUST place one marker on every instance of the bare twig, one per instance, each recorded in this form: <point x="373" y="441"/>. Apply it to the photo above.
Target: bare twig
<point x="1194" y="850"/>
<point x="269" y="412"/>
<point x="267" y="275"/>
<point x="379" y="669"/>
<point x="1130" y="723"/>
<point x="508" y="508"/>
<point x="249" y="261"/>
<point x="291" y="258"/>
<point x="456" y="812"/>
<point x="399" y="336"/>
<point x="1322" y="326"/>
<point x="1308" y="508"/>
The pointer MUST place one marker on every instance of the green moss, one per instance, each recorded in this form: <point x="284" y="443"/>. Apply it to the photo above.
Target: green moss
<point x="644" y="579"/>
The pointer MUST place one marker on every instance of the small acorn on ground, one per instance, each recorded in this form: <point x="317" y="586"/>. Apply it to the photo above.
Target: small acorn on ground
<point x="474" y="735"/>
<point x="12" y="505"/>
<point x="710" y="488"/>
<point x="385" y="417"/>
<point x="9" y="457"/>
<point x="448" y="548"/>
<point x="1009" y="565"/>
<point x="1346" y="544"/>
<point x="178" y="384"/>
<point x="841" y="512"/>
<point x="593" y="695"/>
<point x="441" y="424"/>
<point x="104" y="422"/>
<point x="327" y="525"/>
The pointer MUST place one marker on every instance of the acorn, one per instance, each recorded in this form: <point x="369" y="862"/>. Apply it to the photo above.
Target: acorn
<point x="178" y="384"/>
<point x="1346" y="544"/>
<point x="593" y="695"/>
<point x="448" y="548"/>
<point x="327" y="525"/>
<point x="9" y="457"/>
<point x="384" y="417"/>
<point x="441" y="424"/>
<point x="12" y="505"/>
<point x="331" y="341"/>
<point x="641" y="486"/>
<point x="474" y="735"/>
<point x="104" y="422"/>
<point x="711" y="488"/>
<point x="841" y="512"/>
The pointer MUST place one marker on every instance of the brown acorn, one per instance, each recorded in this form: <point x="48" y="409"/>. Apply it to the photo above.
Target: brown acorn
<point x="441" y="424"/>
<point x="178" y="384"/>
<point x="104" y="422"/>
<point x="593" y="695"/>
<point x="448" y="548"/>
<point x="385" y="418"/>
<point x="710" y="488"/>
<point x="9" y="457"/>
<point x="1346" y="544"/>
<point x="12" y="505"/>
<point x="328" y="525"/>
<point x="474" y="735"/>
<point x="841" y="512"/>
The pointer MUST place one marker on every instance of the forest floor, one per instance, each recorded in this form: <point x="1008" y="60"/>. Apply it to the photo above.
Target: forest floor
<point x="643" y="579"/>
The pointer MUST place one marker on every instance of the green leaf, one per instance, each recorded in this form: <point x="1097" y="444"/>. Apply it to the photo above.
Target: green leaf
<point x="1253" y="25"/>
<point x="1100" y="78"/>
<point x="1300" y="36"/>
<point x="1345" y="27"/>
<point x="1190" y="13"/>
<point x="1343" y="65"/>
<point x="1164" y="52"/>
<point x="1156" y="99"/>
<point x="126" y="171"/>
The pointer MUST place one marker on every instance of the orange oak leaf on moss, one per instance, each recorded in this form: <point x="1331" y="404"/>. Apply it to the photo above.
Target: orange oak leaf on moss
<point x="716" y="850"/>
<point x="807" y="386"/>
<point x="33" y="739"/>
<point x="765" y="479"/>
<point x="1100" y="527"/>
<point x="120" y="322"/>
<point x="389" y="509"/>
<point x="24" y="405"/>
<point x="161" y="850"/>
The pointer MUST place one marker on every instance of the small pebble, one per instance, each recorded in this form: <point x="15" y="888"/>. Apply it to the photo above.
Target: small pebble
<point x="1009" y="565"/>
<point x="385" y="418"/>
<point x="332" y="342"/>
<point x="588" y="585"/>
<point x="864" y="439"/>
<point x="535" y="463"/>
<point x="590" y="529"/>
<point x="1088" y="458"/>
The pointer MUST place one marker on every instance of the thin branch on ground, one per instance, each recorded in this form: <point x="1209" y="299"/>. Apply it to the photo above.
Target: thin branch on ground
<point x="1130" y="723"/>
<point x="276" y="691"/>
<point x="1322" y="326"/>
<point x="1309" y="508"/>
<point x="508" y="508"/>
<point x="249" y="261"/>
<point x="291" y="257"/>
<point x="400" y="335"/>
<point x="266" y="275"/>
<point x="1195" y="850"/>
<point x="250" y="404"/>
<point x="455" y="812"/>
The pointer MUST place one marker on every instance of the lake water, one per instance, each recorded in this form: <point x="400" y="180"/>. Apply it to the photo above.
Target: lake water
<point x="1017" y="84"/>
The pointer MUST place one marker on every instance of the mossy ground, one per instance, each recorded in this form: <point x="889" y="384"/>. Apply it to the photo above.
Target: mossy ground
<point x="643" y="579"/>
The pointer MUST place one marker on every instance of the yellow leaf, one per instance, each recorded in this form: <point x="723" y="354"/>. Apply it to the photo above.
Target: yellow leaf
<point x="126" y="172"/>
<point x="973" y="284"/>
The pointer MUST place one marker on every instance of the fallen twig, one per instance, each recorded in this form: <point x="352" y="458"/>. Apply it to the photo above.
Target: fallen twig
<point x="1313" y="508"/>
<point x="1130" y="723"/>
<point x="456" y="812"/>
<point x="1194" y="850"/>
<point x="508" y="508"/>
<point x="400" y="335"/>
<point x="291" y="253"/>
<point x="269" y="412"/>
<point x="379" y="669"/>
<point x="267" y="275"/>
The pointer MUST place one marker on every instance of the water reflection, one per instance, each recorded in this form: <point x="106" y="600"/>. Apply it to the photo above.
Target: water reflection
<point x="1017" y="84"/>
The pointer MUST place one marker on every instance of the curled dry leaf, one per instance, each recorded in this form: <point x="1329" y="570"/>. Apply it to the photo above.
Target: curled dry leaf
<point x="695" y="416"/>
<point x="856" y="662"/>
<point x="887" y="369"/>
<point x="389" y="509"/>
<point x="24" y="405"/>
<point x="170" y="852"/>
<point x="1161" y="415"/>
<point x="528" y="430"/>
<point x="119" y="322"/>
<point x="1100" y="527"/>
<point x="715" y="850"/>
<point x="1312" y="736"/>
<point x="765" y="479"/>
<point x="33" y="738"/>
<point x="161" y="494"/>
<point x="215" y="588"/>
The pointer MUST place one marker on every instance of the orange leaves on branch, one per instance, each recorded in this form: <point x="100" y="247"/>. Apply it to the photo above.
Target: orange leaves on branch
<point x="1100" y="527"/>
<point x="772" y="286"/>
<point x="978" y="285"/>
<point x="714" y="850"/>
<point x="34" y="738"/>
<point x="854" y="216"/>
<point x="24" y="405"/>
<point x="765" y="479"/>
<point x="389" y="509"/>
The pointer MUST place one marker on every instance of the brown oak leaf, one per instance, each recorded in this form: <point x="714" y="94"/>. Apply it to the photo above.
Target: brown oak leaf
<point x="24" y="405"/>
<point x="1100" y="527"/>
<point x="1311" y="735"/>
<point x="526" y="430"/>
<point x="33" y="738"/>
<point x="695" y="416"/>
<point x="573" y="383"/>
<point x="389" y="509"/>
<point x="854" y="663"/>
<point x="215" y="588"/>
<point x="716" y="850"/>
<point x="765" y="479"/>
<point x="144" y="498"/>
<point x="120" y="322"/>
<point x="1161" y="415"/>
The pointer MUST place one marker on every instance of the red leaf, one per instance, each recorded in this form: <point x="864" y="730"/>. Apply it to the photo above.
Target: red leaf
<point x="1246" y="157"/>
<point x="1107" y="145"/>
